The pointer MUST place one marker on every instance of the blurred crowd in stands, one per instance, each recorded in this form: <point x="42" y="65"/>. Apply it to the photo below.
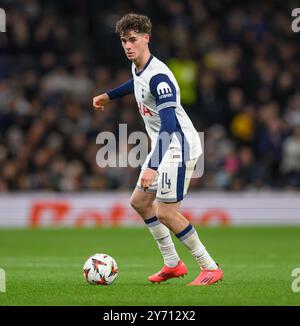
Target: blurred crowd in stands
<point x="237" y="63"/>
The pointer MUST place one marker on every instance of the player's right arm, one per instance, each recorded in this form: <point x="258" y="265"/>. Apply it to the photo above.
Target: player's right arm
<point x="100" y="101"/>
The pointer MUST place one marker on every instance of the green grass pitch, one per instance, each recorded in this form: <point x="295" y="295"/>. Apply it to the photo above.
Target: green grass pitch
<point x="44" y="267"/>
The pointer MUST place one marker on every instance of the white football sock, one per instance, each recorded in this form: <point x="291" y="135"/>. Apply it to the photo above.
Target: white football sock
<point x="190" y="239"/>
<point x="165" y="243"/>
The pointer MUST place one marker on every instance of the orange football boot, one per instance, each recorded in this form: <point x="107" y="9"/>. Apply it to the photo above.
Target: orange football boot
<point x="169" y="272"/>
<point x="208" y="277"/>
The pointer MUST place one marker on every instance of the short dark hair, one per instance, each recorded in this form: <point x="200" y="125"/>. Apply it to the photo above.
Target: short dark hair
<point x="134" y="22"/>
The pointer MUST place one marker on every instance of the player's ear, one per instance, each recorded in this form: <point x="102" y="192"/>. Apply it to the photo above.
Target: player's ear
<point x="147" y="37"/>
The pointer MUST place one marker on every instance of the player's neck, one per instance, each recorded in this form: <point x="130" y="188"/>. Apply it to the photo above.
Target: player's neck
<point x="142" y="60"/>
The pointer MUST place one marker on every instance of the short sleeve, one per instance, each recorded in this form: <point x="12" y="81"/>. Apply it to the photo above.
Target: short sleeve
<point x="163" y="90"/>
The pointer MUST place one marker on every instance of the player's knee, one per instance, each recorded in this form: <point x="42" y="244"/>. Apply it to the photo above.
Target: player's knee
<point x="163" y="214"/>
<point x="135" y="204"/>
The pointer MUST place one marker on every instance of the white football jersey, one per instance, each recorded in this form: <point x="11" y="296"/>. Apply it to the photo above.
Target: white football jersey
<point x="156" y="88"/>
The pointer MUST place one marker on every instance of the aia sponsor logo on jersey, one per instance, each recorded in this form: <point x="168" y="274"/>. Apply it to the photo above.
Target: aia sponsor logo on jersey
<point x="144" y="110"/>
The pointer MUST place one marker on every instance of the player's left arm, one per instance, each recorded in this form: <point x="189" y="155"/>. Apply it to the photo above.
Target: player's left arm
<point x="164" y="92"/>
<point x="167" y="128"/>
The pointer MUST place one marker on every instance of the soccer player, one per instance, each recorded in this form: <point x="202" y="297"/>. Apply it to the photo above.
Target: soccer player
<point x="168" y="168"/>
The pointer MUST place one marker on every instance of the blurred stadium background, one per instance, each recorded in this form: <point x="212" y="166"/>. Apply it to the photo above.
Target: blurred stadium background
<point x="238" y="66"/>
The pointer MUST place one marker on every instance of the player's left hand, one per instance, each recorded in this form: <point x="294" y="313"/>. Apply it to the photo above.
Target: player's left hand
<point x="148" y="178"/>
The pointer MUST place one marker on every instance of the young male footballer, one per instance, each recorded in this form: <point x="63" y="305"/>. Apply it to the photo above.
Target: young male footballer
<point x="168" y="168"/>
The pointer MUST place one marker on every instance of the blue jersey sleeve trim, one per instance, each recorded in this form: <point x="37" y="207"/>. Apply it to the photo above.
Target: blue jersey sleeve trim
<point x="166" y="105"/>
<point x="122" y="90"/>
<point x="167" y="128"/>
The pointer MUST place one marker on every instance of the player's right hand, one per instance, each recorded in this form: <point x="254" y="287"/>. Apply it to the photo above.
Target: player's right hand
<point x="100" y="101"/>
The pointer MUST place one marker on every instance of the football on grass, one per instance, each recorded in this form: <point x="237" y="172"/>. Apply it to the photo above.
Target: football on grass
<point x="100" y="269"/>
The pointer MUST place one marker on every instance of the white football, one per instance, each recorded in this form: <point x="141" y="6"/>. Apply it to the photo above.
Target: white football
<point x="100" y="269"/>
